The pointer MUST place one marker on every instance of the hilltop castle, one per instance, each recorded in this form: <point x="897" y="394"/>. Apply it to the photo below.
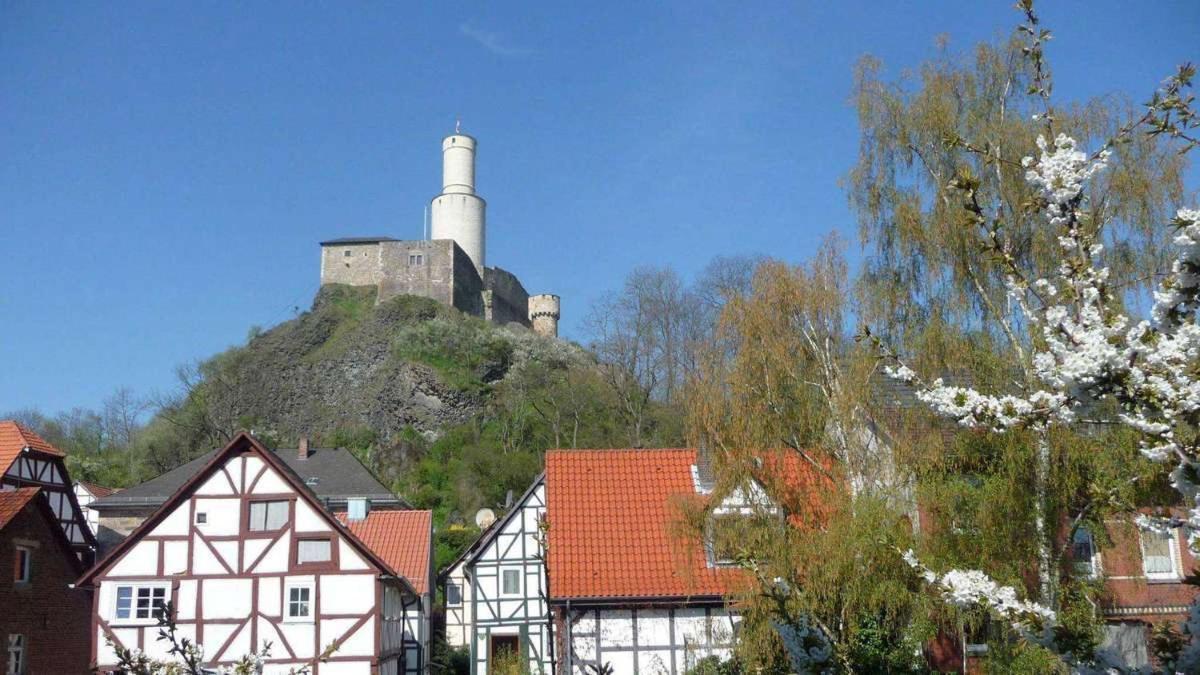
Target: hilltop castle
<point x="449" y="267"/>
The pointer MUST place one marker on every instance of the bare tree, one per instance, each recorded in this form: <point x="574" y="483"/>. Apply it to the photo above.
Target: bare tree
<point x="122" y="412"/>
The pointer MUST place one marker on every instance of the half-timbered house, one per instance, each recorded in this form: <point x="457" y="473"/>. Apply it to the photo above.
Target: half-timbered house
<point x="631" y="591"/>
<point x="246" y="554"/>
<point x="27" y="460"/>
<point x="496" y="592"/>
<point x="589" y="569"/>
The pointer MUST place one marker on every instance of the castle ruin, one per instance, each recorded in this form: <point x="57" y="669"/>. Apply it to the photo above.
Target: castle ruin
<point x="450" y="266"/>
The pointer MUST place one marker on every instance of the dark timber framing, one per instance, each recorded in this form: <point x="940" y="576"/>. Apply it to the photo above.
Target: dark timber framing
<point x="244" y="567"/>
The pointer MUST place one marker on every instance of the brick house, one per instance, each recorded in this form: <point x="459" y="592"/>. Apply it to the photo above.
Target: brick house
<point x="44" y="621"/>
<point x="1143" y="572"/>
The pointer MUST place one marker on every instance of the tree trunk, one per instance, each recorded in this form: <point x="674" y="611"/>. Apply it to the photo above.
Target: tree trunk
<point x="1046" y="574"/>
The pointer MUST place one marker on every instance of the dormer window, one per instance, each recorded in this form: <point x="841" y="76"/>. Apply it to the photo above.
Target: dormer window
<point x="721" y="540"/>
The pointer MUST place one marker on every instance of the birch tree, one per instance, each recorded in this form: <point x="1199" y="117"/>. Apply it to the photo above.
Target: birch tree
<point x="1069" y="326"/>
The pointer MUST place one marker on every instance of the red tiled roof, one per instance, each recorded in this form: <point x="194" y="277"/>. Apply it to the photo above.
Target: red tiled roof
<point x="613" y="517"/>
<point x="15" y="437"/>
<point x="12" y="501"/>
<point x="402" y="539"/>
<point x="97" y="490"/>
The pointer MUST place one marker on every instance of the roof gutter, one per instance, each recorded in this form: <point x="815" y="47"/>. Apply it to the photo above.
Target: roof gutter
<point x="640" y="600"/>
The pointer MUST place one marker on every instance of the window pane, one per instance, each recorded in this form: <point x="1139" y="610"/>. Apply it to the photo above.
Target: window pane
<point x="277" y="515"/>
<point x="1156" y="553"/>
<point x="512" y="582"/>
<point x="258" y="515"/>
<point x="312" y="550"/>
<point x="124" y="601"/>
<point x="453" y="594"/>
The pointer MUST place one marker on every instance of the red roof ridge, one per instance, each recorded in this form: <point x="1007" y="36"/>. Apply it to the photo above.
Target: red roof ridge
<point x="15" y="438"/>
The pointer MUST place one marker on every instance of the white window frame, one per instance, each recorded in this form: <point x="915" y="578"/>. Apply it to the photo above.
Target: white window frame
<point x="1172" y="548"/>
<point x="133" y="619"/>
<point x="17" y="656"/>
<point x="520" y="582"/>
<point x="311" y="587"/>
<point x="27" y="553"/>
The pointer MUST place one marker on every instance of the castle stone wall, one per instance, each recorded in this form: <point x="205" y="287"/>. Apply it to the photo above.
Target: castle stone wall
<point x="509" y="299"/>
<point x="353" y="264"/>
<point x="438" y="270"/>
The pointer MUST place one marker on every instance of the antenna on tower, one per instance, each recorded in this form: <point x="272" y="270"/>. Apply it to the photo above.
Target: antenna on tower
<point x="458" y="124"/>
<point x="425" y="224"/>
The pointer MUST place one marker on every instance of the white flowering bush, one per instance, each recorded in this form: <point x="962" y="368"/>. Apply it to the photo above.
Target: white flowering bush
<point x="186" y="657"/>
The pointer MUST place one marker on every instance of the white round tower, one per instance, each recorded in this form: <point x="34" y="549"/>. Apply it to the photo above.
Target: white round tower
<point x="544" y="313"/>
<point x="458" y="213"/>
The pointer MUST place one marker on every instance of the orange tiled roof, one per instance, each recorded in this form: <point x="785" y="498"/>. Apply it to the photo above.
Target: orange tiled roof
<point x="12" y="501"/>
<point x="15" y="437"/>
<point x="612" y="525"/>
<point x="401" y="538"/>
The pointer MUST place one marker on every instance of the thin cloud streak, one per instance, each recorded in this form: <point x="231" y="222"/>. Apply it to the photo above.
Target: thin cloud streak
<point x="493" y="42"/>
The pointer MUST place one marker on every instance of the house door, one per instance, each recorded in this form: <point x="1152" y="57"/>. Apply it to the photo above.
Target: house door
<point x="503" y="644"/>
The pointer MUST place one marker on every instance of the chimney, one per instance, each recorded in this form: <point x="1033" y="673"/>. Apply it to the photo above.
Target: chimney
<point x="302" y="453"/>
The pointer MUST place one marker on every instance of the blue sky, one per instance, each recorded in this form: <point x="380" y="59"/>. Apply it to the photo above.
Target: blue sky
<point x="169" y="168"/>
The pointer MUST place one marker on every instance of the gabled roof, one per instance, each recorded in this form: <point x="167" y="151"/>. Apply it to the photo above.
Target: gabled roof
<point x="492" y="531"/>
<point x="613" y="525"/>
<point x="15" y="438"/>
<point x="242" y="442"/>
<point x="404" y="539"/>
<point x="97" y="491"/>
<point x="331" y="473"/>
<point x="13" y="502"/>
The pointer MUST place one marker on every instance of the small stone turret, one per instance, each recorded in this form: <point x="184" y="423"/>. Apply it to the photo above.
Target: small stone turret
<point x="544" y="313"/>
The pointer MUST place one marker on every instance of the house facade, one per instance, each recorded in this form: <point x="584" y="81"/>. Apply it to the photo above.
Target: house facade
<point x="246" y="553"/>
<point x="43" y="620"/>
<point x="1143" y="571"/>
<point x="27" y="460"/>
<point x="496" y="592"/>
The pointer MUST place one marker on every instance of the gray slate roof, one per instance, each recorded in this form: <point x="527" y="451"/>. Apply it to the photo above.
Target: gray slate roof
<point x="356" y="240"/>
<point x="338" y="473"/>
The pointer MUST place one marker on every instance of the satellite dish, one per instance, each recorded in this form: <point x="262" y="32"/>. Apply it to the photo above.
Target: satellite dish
<point x="484" y="518"/>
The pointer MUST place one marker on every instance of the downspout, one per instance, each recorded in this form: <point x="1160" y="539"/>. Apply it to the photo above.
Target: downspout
<point x="567" y="650"/>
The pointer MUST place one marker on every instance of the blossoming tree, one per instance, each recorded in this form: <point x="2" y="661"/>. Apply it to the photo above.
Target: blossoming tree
<point x="1083" y="348"/>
